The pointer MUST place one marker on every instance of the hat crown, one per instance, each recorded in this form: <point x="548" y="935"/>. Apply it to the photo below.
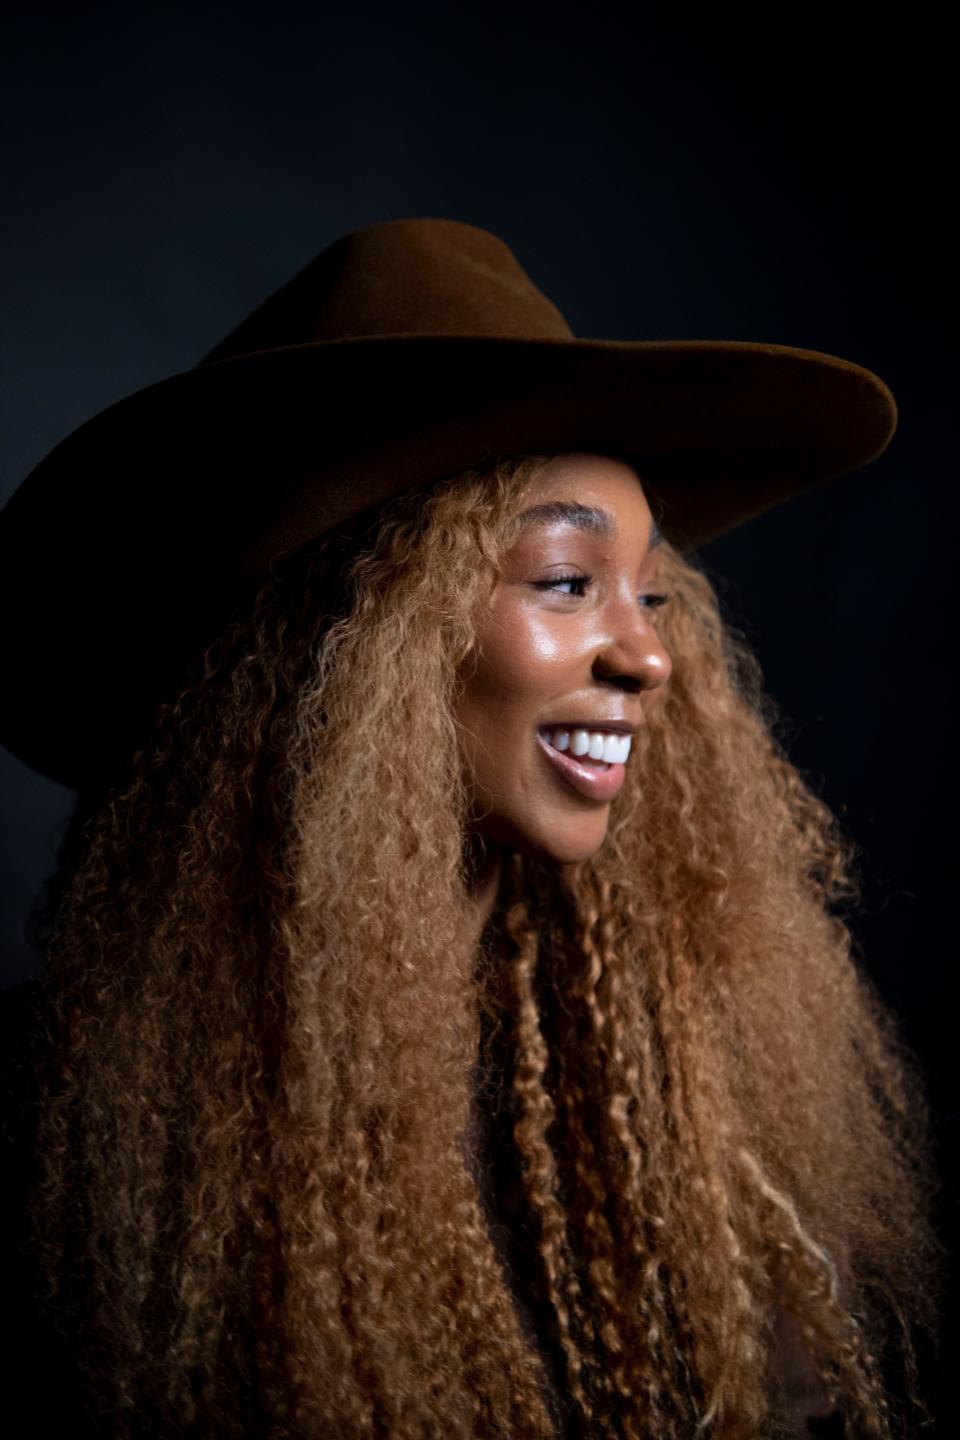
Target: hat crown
<point x="401" y="277"/>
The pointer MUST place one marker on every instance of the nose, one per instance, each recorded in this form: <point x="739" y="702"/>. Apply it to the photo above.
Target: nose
<point x="633" y="655"/>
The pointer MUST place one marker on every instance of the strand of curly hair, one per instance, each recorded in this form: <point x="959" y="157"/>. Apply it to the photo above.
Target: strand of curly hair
<point x="256" y="1209"/>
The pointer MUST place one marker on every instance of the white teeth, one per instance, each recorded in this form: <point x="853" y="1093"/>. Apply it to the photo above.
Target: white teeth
<point x="612" y="746"/>
<point x="598" y="744"/>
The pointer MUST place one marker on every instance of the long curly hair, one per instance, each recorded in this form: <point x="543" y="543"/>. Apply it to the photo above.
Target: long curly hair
<point x="256" y="1206"/>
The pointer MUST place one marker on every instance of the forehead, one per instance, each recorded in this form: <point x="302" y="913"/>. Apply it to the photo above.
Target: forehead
<point x="597" y="494"/>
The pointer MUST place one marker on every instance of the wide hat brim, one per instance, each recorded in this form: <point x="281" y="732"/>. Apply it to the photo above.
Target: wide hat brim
<point x="137" y="534"/>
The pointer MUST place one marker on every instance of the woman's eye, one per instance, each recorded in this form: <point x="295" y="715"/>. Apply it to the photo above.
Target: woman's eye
<point x="576" y="580"/>
<point x="579" y="582"/>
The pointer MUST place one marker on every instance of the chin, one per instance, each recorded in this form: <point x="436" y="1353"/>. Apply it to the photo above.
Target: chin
<point x="572" y="854"/>
<point x="564" y="847"/>
<point x="567" y="841"/>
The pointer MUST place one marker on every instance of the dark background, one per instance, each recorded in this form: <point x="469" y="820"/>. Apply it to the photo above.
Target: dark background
<point x="785" y="178"/>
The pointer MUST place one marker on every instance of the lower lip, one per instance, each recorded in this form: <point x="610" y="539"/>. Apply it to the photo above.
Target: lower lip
<point x="585" y="779"/>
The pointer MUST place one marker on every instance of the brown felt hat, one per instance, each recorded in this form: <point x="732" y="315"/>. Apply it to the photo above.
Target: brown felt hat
<point x="405" y="352"/>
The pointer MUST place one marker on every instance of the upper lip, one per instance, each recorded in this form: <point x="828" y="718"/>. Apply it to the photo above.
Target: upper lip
<point x="622" y="727"/>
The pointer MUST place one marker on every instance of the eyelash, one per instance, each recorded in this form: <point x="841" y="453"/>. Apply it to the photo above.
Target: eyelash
<point x="654" y="601"/>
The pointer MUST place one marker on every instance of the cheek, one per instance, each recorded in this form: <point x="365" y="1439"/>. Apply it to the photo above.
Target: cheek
<point x="516" y="665"/>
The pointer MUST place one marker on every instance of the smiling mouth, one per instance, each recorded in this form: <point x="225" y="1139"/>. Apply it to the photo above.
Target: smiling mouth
<point x="600" y="748"/>
<point x="595" y="779"/>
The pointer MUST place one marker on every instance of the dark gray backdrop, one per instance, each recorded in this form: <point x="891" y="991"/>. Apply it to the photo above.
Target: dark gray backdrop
<point x="782" y="180"/>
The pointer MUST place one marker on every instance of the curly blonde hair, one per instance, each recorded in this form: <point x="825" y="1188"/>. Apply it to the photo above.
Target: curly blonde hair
<point x="257" y="1209"/>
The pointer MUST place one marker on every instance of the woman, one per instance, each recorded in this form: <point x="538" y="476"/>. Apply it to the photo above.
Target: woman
<point x="414" y="1056"/>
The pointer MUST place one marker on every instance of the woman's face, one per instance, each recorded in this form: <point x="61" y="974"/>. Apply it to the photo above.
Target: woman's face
<point x="568" y="644"/>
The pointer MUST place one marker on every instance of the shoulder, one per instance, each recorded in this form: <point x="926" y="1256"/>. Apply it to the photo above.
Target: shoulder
<point x="19" y="1012"/>
<point x="39" y="1393"/>
<point x="18" y="1093"/>
<point x="19" y="1052"/>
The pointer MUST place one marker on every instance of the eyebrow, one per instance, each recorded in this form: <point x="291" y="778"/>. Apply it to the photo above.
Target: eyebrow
<point x="589" y="518"/>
